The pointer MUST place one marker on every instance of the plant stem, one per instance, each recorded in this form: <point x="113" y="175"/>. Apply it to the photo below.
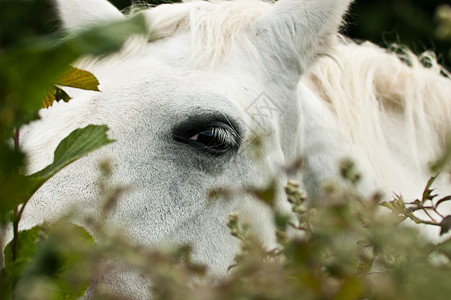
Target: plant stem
<point x="17" y="213"/>
<point x="17" y="216"/>
<point x="17" y="138"/>
<point x="15" y="234"/>
<point x="427" y="213"/>
<point x="420" y="221"/>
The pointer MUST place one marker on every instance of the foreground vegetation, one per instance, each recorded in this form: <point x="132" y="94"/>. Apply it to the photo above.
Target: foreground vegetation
<point x="344" y="246"/>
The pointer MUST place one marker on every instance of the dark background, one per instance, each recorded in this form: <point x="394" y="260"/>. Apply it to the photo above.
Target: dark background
<point x="407" y="22"/>
<point x="384" y="22"/>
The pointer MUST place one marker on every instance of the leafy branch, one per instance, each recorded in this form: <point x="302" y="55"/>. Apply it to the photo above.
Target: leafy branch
<point x="19" y="64"/>
<point x="428" y="204"/>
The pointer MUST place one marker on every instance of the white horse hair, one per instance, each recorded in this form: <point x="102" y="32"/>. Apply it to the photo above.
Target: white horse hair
<point x="226" y="70"/>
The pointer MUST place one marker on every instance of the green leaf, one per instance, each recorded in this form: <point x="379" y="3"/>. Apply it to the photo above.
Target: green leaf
<point x="79" y="143"/>
<point x="17" y="189"/>
<point x="79" y="79"/>
<point x="445" y="248"/>
<point x="350" y="289"/>
<point x="27" y="245"/>
<point x="397" y="205"/>
<point x="267" y="195"/>
<point x="26" y="248"/>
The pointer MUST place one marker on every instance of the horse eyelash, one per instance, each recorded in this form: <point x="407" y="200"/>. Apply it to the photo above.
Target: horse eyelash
<point x="224" y="135"/>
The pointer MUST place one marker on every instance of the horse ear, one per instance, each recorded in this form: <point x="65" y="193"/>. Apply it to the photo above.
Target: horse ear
<point x="295" y="32"/>
<point x="76" y="14"/>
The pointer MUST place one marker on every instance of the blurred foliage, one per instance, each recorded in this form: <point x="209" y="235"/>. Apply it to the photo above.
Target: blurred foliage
<point x="344" y="247"/>
<point x="52" y="263"/>
<point x="443" y="17"/>
<point x="21" y="20"/>
<point x="33" y="60"/>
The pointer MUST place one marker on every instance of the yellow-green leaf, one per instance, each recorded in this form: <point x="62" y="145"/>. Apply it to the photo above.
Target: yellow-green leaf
<point x="55" y="94"/>
<point x="79" y="79"/>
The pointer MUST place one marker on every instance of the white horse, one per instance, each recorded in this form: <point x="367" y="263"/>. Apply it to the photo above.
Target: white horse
<point x="186" y="104"/>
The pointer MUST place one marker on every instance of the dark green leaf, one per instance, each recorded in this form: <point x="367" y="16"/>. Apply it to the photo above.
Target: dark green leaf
<point x="107" y="38"/>
<point x="445" y="248"/>
<point x="442" y="200"/>
<point x="427" y="194"/>
<point x="52" y="260"/>
<point x="62" y="260"/>
<point x="27" y="245"/>
<point x="79" y="143"/>
<point x="281" y="220"/>
<point x="351" y="289"/>
<point x="445" y="225"/>
<point x="266" y="195"/>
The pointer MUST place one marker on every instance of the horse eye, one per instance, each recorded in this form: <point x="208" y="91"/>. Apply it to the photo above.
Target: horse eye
<point x="215" y="140"/>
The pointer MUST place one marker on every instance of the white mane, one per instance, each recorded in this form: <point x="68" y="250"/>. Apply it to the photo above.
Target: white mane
<point x="373" y="91"/>
<point x="214" y="25"/>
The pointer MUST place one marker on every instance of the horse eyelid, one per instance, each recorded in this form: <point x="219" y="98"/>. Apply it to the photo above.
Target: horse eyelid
<point x="226" y="134"/>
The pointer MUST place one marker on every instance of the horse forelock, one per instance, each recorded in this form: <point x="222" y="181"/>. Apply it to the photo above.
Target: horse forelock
<point x="214" y="27"/>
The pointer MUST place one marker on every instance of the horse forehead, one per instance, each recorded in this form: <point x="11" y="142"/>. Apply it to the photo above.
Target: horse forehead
<point x="161" y="79"/>
<point x="171" y="88"/>
<point x="163" y="58"/>
<point x="166" y="63"/>
<point x="163" y="84"/>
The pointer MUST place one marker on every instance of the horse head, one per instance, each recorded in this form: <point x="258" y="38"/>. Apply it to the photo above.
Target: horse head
<point x="186" y="105"/>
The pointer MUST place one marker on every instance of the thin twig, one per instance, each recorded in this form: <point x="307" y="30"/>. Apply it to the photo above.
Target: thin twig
<point x="426" y="212"/>
<point x="437" y="212"/>
<point x="419" y="221"/>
